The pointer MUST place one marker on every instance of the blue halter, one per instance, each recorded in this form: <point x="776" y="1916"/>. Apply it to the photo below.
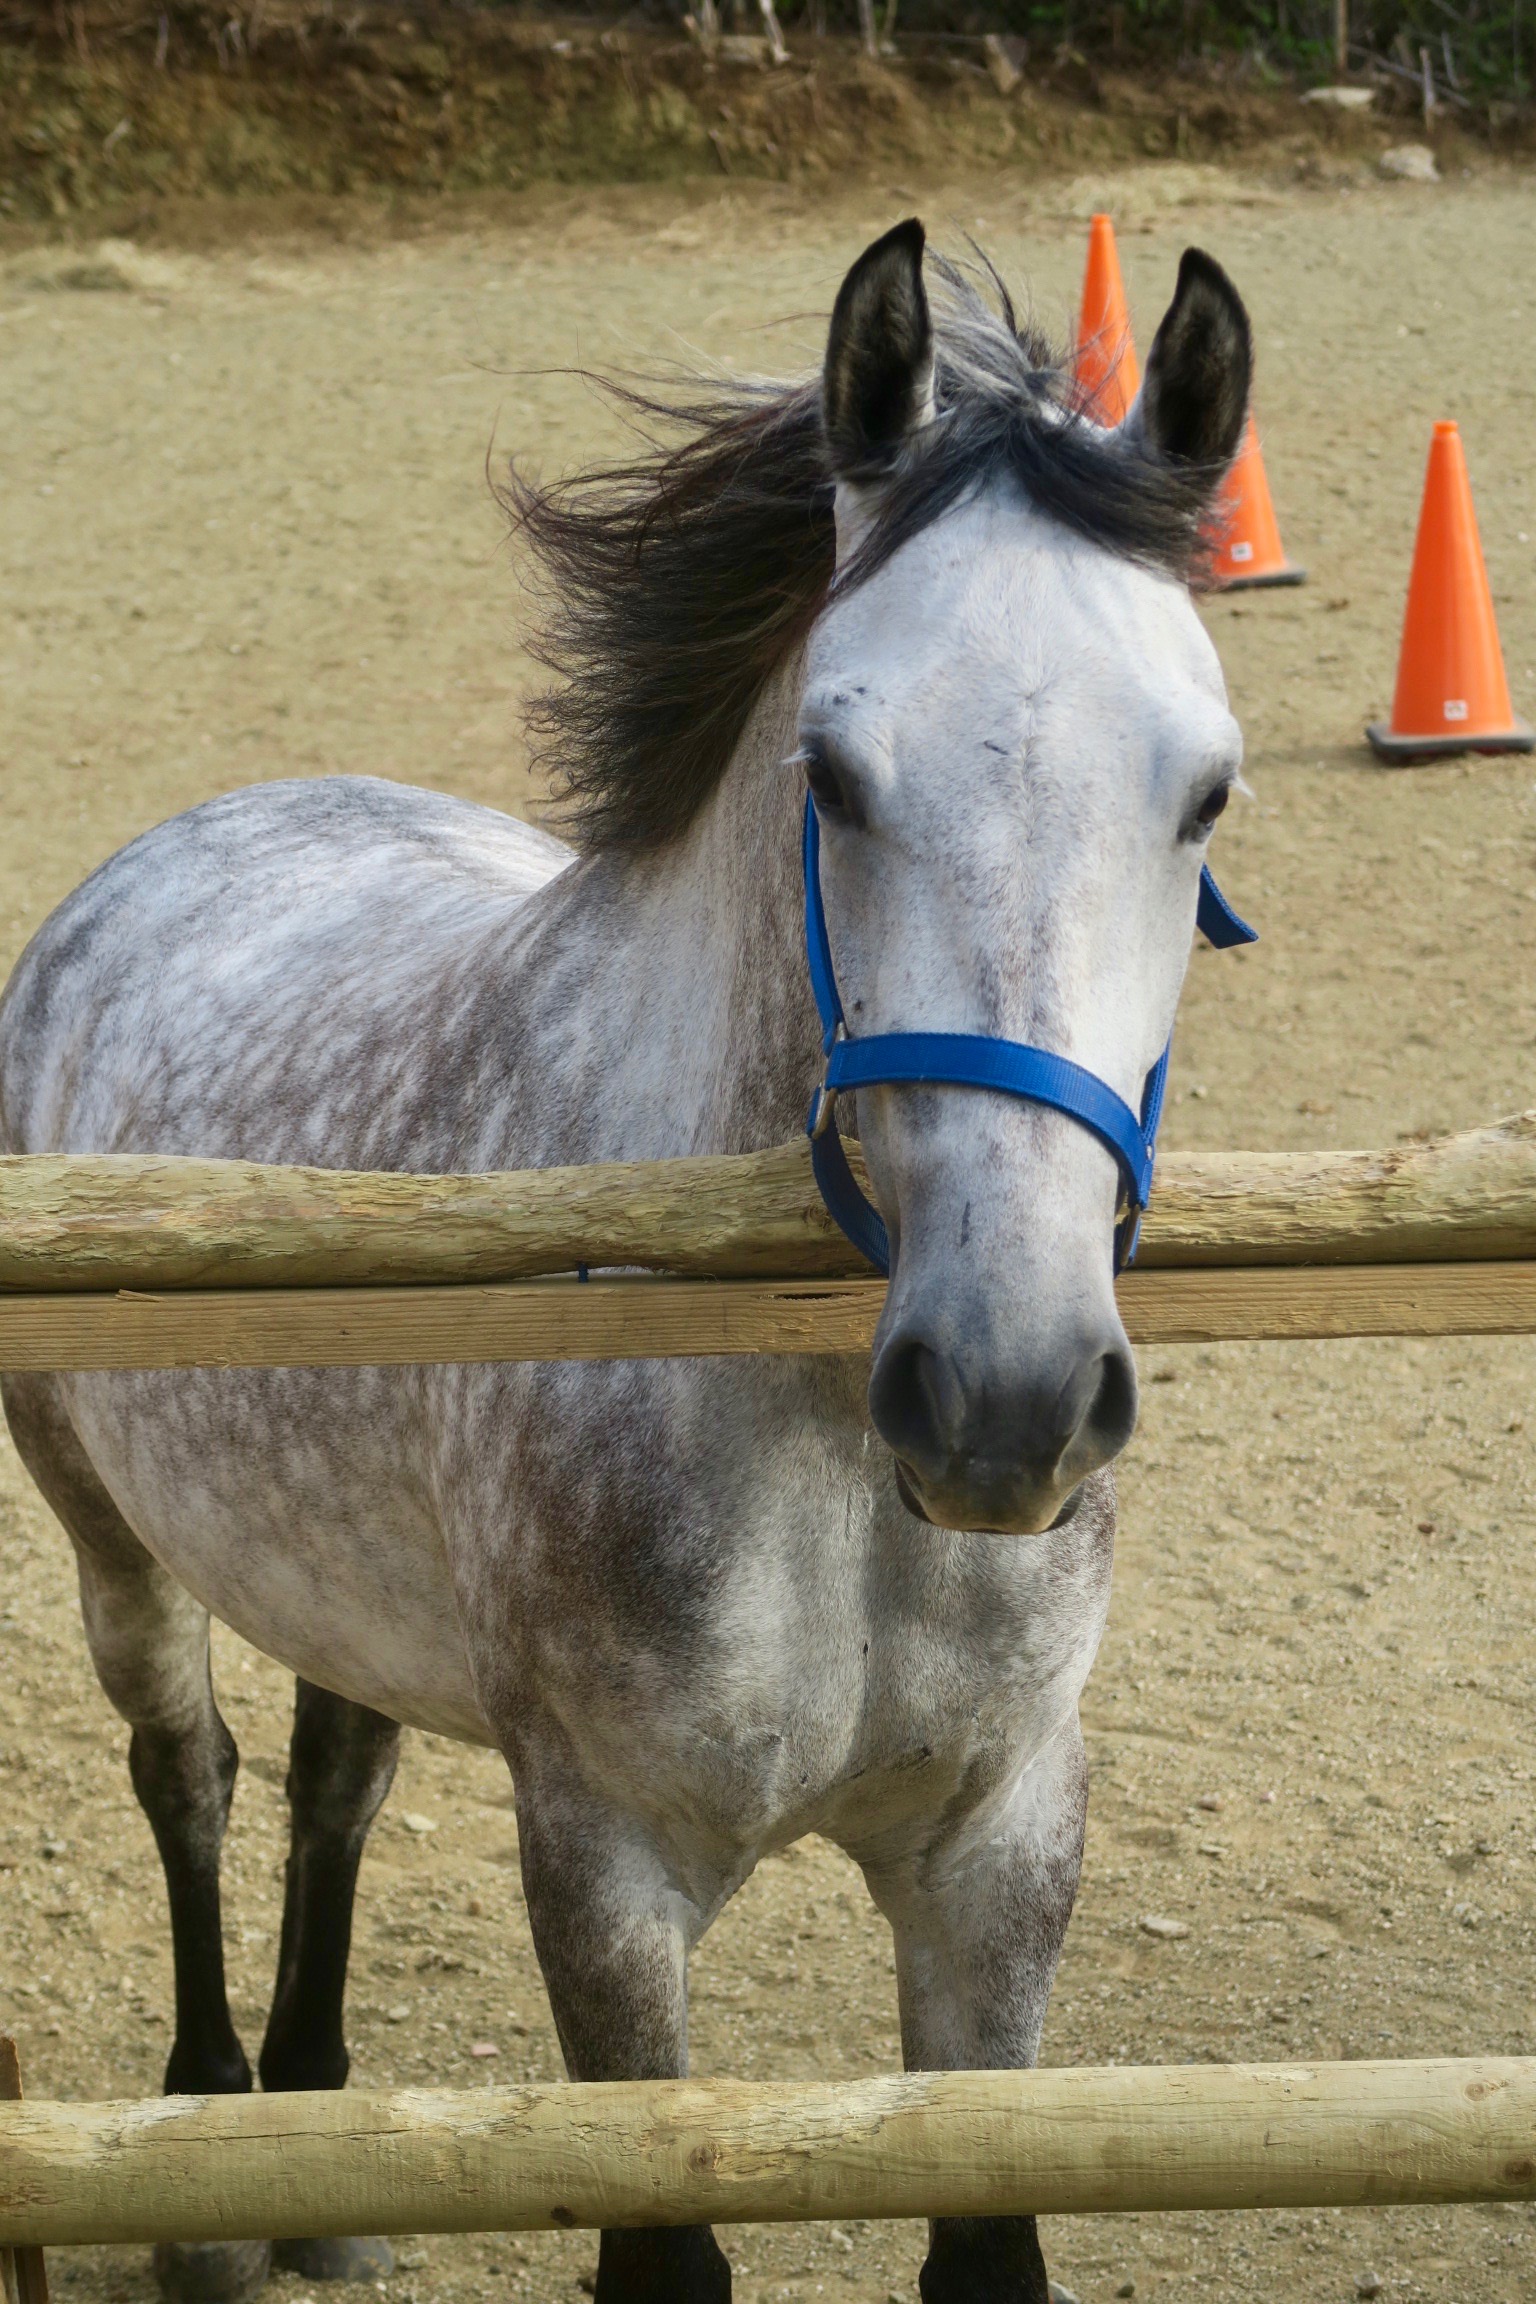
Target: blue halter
<point x="973" y="1060"/>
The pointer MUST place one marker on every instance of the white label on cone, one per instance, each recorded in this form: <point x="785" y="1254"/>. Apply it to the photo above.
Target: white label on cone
<point x="1242" y="552"/>
<point x="1455" y="708"/>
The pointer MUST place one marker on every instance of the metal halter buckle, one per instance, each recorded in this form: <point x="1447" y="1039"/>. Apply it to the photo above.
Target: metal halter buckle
<point x="826" y="1098"/>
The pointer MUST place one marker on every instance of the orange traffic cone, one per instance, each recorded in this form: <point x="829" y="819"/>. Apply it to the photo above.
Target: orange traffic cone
<point x="1108" y="372"/>
<point x="1452" y="695"/>
<point x="1248" y="547"/>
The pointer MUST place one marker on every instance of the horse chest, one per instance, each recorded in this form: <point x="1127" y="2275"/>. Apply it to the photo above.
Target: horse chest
<point x="860" y="1736"/>
<point x="746" y="1640"/>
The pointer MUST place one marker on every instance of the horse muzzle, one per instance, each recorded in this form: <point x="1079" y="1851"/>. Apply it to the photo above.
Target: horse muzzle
<point x="1001" y="1448"/>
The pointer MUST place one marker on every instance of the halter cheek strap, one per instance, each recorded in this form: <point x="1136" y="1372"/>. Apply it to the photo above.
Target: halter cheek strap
<point x="974" y="1060"/>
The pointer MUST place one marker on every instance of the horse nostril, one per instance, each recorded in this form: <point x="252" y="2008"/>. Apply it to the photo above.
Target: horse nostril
<point x="916" y="1402"/>
<point x="1112" y="1418"/>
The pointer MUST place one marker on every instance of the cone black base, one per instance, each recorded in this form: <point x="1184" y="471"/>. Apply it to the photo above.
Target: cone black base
<point x="1403" y="751"/>
<point x="1289" y="574"/>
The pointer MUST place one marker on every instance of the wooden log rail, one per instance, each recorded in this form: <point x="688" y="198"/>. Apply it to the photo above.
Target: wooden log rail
<point x="1063" y="2142"/>
<point x="100" y="1223"/>
<point x="23" y="2274"/>
<point x="129" y="1262"/>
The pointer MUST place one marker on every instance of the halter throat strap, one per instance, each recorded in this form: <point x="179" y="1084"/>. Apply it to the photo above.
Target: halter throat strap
<point x="974" y="1060"/>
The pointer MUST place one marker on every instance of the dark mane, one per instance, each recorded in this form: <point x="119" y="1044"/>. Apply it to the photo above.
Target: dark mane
<point x="683" y="577"/>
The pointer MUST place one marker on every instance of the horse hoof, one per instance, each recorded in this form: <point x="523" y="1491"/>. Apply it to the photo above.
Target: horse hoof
<point x="211" y="2271"/>
<point x="334" y="2259"/>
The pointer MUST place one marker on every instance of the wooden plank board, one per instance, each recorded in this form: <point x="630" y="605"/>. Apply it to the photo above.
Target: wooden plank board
<point x="622" y="1319"/>
<point x="644" y="1318"/>
<point x="1055" y="2142"/>
<point x="1272" y="1302"/>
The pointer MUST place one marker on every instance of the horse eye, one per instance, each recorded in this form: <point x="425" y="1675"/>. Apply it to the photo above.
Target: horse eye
<point x="1212" y="805"/>
<point x="822" y="778"/>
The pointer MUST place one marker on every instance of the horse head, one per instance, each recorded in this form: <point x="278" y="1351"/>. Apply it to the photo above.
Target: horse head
<point x="1016" y="740"/>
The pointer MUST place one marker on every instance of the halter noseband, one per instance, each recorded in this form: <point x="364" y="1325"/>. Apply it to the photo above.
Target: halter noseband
<point x="975" y="1060"/>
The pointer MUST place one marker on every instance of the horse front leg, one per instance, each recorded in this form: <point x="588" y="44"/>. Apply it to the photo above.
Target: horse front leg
<point x="610" y="1926"/>
<point x="979" y="1919"/>
<point x="341" y="1763"/>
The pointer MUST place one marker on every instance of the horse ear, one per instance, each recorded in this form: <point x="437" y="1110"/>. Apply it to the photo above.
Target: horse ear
<point x="1194" y="395"/>
<point x="877" y="385"/>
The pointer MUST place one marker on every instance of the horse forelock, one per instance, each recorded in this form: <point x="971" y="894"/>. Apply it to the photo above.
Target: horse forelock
<point x="681" y="578"/>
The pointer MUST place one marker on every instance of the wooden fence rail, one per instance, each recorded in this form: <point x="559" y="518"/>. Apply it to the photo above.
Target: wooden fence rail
<point x="127" y="1262"/>
<point x="680" y="2152"/>
<point x="101" y="1224"/>
<point x="656" y="1319"/>
<point x="99" y="1267"/>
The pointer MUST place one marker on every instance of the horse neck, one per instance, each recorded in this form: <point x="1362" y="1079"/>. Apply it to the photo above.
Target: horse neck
<point x="698" y="1026"/>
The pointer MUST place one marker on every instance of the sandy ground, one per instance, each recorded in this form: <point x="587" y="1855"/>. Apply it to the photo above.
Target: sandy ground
<point x="248" y="533"/>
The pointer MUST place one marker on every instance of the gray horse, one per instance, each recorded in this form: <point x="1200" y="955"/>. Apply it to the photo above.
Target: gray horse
<point x="703" y="1607"/>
